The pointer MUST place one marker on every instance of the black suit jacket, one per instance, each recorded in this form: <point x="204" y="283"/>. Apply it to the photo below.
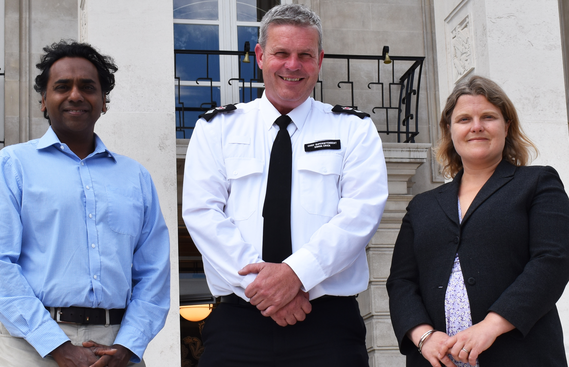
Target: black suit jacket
<point x="513" y="246"/>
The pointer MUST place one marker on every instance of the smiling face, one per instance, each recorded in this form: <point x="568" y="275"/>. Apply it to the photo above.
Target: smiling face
<point x="290" y="62"/>
<point x="73" y="99"/>
<point x="478" y="131"/>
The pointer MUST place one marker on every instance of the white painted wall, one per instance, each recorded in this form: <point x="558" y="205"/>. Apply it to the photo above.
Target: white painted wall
<point x="524" y="42"/>
<point x="140" y="122"/>
<point x="2" y="71"/>
<point x="516" y="43"/>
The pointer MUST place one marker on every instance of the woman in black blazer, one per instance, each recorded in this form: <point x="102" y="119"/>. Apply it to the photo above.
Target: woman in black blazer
<point x="480" y="262"/>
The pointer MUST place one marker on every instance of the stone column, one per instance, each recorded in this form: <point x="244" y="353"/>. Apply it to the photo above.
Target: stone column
<point x="29" y="26"/>
<point x="140" y="122"/>
<point x="402" y="162"/>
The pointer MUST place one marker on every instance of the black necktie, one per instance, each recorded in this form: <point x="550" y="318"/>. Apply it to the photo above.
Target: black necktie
<point x="277" y="244"/>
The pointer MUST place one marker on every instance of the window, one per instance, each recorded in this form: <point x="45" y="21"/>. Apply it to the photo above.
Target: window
<point x="209" y="79"/>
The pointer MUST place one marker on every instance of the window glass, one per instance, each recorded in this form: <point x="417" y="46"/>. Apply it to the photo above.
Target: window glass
<point x="251" y="35"/>
<point x="249" y="94"/>
<point x="196" y="9"/>
<point x="198" y="26"/>
<point x="253" y="10"/>
<point x="190" y="103"/>
<point x="196" y="37"/>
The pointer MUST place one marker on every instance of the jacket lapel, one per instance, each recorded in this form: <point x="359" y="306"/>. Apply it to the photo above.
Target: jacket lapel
<point x="448" y="198"/>
<point x="502" y="175"/>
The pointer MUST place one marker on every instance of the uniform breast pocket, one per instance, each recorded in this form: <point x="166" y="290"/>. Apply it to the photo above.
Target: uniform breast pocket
<point x="243" y="174"/>
<point x="126" y="209"/>
<point x="319" y="179"/>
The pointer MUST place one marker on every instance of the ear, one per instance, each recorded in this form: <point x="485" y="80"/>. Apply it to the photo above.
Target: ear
<point x="104" y="105"/>
<point x="43" y="106"/>
<point x="321" y="57"/>
<point x="259" y="55"/>
<point x="508" y="126"/>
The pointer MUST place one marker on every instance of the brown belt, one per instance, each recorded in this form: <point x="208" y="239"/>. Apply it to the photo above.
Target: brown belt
<point x="86" y="315"/>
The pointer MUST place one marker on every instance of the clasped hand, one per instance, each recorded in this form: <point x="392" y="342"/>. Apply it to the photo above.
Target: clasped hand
<point x="467" y="345"/>
<point x="276" y="293"/>
<point x="464" y="347"/>
<point x="91" y="354"/>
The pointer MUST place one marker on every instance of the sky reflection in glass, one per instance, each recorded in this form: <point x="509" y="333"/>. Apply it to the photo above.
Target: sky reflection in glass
<point x="196" y="9"/>
<point x="196" y="37"/>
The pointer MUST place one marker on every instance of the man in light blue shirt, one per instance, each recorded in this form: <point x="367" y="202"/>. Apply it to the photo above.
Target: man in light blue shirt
<point x="84" y="249"/>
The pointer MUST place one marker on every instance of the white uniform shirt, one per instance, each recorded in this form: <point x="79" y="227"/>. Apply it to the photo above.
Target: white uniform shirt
<point x="338" y="195"/>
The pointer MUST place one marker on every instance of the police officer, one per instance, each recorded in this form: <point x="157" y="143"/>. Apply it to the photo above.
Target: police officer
<point x="281" y="196"/>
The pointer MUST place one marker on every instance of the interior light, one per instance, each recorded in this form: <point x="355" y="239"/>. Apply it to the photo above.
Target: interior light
<point x="195" y="313"/>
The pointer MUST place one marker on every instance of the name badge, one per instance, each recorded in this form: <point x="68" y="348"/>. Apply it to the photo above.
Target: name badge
<point x="323" y="144"/>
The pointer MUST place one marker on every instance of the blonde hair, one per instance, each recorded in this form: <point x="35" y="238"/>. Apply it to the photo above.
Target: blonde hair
<point x="518" y="147"/>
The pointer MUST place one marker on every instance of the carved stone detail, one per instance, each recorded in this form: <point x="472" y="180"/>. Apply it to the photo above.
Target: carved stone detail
<point x="461" y="43"/>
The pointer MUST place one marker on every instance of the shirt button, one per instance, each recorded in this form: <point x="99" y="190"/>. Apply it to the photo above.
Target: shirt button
<point x="93" y="245"/>
<point x="94" y="277"/>
<point x="90" y="215"/>
<point x="87" y="187"/>
<point x="82" y="163"/>
<point x="62" y="147"/>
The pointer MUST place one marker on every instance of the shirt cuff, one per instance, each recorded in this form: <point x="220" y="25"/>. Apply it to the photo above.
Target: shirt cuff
<point x="247" y="279"/>
<point x="134" y="340"/>
<point x="307" y="269"/>
<point x="46" y="338"/>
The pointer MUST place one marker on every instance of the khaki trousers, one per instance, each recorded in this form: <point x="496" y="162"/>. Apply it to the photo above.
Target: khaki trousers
<point x="17" y="352"/>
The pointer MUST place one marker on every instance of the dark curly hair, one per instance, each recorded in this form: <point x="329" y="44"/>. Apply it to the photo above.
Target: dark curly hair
<point x="104" y="64"/>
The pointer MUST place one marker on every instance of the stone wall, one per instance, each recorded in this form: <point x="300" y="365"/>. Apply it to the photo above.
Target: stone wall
<point x="29" y="26"/>
<point x="140" y="122"/>
<point x="402" y="161"/>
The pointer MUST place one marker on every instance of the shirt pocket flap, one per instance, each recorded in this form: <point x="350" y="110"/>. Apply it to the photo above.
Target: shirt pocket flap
<point x="241" y="167"/>
<point x="324" y="164"/>
<point x="236" y="139"/>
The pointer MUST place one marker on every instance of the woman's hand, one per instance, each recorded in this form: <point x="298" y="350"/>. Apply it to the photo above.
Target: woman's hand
<point x="434" y="347"/>
<point x="435" y="350"/>
<point x="467" y="345"/>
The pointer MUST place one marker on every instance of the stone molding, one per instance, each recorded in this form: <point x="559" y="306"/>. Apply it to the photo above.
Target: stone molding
<point x="402" y="162"/>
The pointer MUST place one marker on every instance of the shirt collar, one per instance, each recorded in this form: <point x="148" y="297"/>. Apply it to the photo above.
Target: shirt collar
<point x="298" y="115"/>
<point x="50" y="139"/>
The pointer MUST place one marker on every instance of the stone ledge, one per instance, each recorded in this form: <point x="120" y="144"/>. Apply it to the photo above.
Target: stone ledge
<point x="404" y="152"/>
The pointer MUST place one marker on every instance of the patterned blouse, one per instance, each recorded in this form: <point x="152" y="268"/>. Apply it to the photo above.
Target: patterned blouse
<point x="457" y="305"/>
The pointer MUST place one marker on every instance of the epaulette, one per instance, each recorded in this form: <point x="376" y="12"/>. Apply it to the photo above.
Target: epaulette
<point x="214" y="111"/>
<point x="350" y="110"/>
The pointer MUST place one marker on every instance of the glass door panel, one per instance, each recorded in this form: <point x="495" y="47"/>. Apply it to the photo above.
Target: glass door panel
<point x="254" y="10"/>
<point x="189" y="106"/>
<point x="196" y="9"/>
<point x="196" y="37"/>
<point x="251" y="88"/>
<point x="204" y="81"/>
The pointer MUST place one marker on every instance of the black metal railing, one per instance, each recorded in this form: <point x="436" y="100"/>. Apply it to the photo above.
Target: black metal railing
<point x="390" y="91"/>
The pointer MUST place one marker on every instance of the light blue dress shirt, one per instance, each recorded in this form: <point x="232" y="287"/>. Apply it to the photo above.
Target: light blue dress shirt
<point x="86" y="233"/>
